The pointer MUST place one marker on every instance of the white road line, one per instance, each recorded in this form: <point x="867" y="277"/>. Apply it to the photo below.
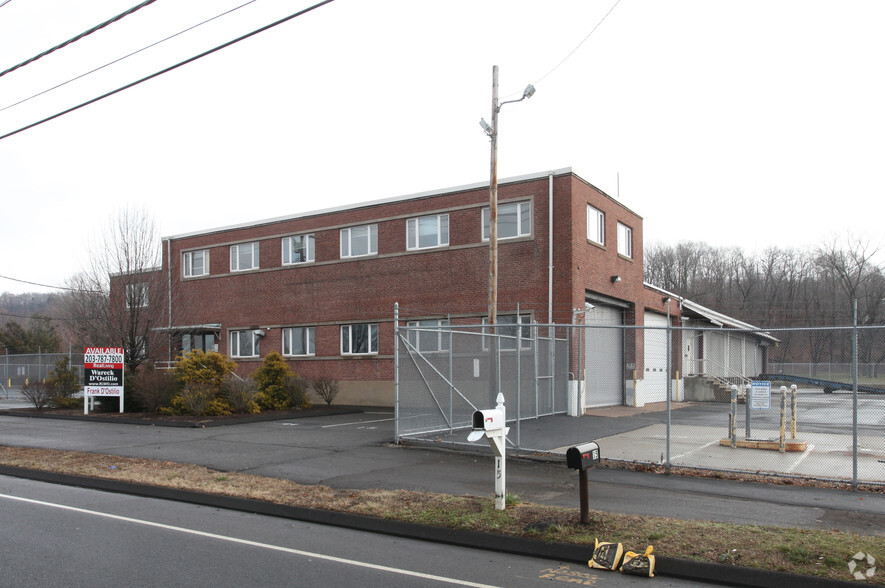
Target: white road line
<point x="672" y="459"/>
<point x="250" y="543"/>
<point x="805" y="454"/>
<point x="354" y="423"/>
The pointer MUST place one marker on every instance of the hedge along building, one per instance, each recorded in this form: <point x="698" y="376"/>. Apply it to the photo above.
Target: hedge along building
<point x="320" y="287"/>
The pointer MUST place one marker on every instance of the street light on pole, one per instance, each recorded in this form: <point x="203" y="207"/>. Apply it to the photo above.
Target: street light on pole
<point x="492" y="131"/>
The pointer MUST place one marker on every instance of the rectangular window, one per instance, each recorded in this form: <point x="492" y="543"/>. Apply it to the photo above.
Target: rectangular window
<point x="244" y="257"/>
<point x="203" y="341"/>
<point x="298" y="341"/>
<point x="427" y="231"/>
<point x="196" y="263"/>
<point x="359" y="339"/>
<point x="437" y="337"/>
<point x="514" y="220"/>
<point x="357" y="241"/>
<point x="625" y="240"/>
<point x="136" y="295"/>
<point x="509" y="333"/>
<point x="244" y="343"/>
<point x="298" y="249"/>
<point x="595" y="225"/>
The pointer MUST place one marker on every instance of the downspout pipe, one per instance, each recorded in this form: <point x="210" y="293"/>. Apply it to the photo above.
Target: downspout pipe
<point x="550" y="249"/>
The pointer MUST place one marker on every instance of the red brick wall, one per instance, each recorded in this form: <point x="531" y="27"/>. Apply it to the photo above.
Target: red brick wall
<point x="454" y="279"/>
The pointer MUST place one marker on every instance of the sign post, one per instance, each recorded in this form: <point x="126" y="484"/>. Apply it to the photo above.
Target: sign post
<point x="102" y="374"/>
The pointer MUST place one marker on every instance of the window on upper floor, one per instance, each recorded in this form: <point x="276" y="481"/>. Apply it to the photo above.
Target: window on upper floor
<point x="196" y="263"/>
<point x="298" y="249"/>
<point x="137" y="295"/>
<point x="595" y="225"/>
<point x="357" y="241"/>
<point x="298" y="341"/>
<point x="427" y="231"/>
<point x="514" y="220"/>
<point x="509" y="333"/>
<point x="625" y="240"/>
<point x="244" y="256"/>
<point x="436" y="337"/>
<point x="360" y="339"/>
<point x="245" y="343"/>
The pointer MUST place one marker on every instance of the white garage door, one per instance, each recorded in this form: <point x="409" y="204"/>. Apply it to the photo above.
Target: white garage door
<point x="655" y="372"/>
<point x="604" y="357"/>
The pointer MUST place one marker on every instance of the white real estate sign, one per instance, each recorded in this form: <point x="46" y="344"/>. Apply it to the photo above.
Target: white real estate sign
<point x="102" y="374"/>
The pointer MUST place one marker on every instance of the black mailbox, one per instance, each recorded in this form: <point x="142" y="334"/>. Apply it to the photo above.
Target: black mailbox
<point x="582" y="457"/>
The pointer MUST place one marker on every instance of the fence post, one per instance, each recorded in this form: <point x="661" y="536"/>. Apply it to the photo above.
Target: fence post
<point x="396" y="414"/>
<point x="451" y="375"/>
<point x="854" y="397"/>
<point x="732" y="418"/>
<point x="748" y="417"/>
<point x="783" y="447"/>
<point x="793" y="417"/>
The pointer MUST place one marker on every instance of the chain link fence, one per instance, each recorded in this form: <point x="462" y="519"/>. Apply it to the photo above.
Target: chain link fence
<point x="804" y="403"/>
<point x="17" y="370"/>
<point x="445" y="373"/>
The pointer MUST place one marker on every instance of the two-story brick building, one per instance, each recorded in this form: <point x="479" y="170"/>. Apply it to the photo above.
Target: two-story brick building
<point x="320" y="287"/>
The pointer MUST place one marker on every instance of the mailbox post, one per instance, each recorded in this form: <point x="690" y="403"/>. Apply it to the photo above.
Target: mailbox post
<point x="583" y="458"/>
<point x="491" y="424"/>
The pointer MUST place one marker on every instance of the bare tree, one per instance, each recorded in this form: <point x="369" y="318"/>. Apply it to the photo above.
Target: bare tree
<point x="119" y="298"/>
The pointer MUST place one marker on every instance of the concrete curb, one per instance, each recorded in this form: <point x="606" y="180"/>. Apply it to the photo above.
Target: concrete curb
<point x="257" y="418"/>
<point x="578" y="554"/>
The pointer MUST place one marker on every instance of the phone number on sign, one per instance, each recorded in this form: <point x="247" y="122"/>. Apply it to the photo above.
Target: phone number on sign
<point x="102" y="358"/>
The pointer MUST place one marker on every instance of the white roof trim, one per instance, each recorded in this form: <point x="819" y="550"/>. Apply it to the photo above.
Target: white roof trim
<point x="464" y="188"/>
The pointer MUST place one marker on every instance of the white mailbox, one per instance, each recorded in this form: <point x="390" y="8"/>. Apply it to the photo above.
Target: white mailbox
<point x="491" y="424"/>
<point x="488" y="420"/>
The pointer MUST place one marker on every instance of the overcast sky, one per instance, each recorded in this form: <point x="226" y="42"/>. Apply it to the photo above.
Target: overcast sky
<point x="750" y="123"/>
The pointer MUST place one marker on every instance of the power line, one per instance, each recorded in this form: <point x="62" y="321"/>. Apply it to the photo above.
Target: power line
<point x="78" y="37"/>
<point x="168" y="69"/>
<point x="181" y="32"/>
<point x="573" y="51"/>
<point x="49" y="286"/>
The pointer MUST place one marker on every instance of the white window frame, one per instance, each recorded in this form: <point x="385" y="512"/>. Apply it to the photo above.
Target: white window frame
<point x="236" y="347"/>
<point x="525" y="320"/>
<point x="348" y="239"/>
<point x="137" y="295"/>
<point x="625" y="240"/>
<point x="188" y="263"/>
<point x="437" y="339"/>
<point x="307" y="336"/>
<point x="347" y="339"/>
<point x="235" y="256"/>
<point x="523" y="213"/>
<point x="437" y="227"/>
<point x="308" y="246"/>
<point x="595" y="225"/>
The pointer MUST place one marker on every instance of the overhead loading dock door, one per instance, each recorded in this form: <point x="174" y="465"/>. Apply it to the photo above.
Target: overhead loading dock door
<point x="655" y="372"/>
<point x="604" y="357"/>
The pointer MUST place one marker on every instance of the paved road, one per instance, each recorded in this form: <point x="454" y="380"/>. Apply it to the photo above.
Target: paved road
<point x="101" y="539"/>
<point x="353" y="451"/>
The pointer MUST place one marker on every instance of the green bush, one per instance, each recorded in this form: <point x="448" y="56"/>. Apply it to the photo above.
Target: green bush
<point x="151" y="389"/>
<point x="197" y="367"/>
<point x="240" y="394"/>
<point x="64" y="379"/>
<point x="197" y="397"/>
<point x="275" y="382"/>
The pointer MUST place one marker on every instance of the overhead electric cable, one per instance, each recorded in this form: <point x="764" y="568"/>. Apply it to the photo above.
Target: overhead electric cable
<point x="572" y="52"/>
<point x="145" y="48"/>
<point x="168" y="69"/>
<point x="48" y="285"/>
<point x="78" y="37"/>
